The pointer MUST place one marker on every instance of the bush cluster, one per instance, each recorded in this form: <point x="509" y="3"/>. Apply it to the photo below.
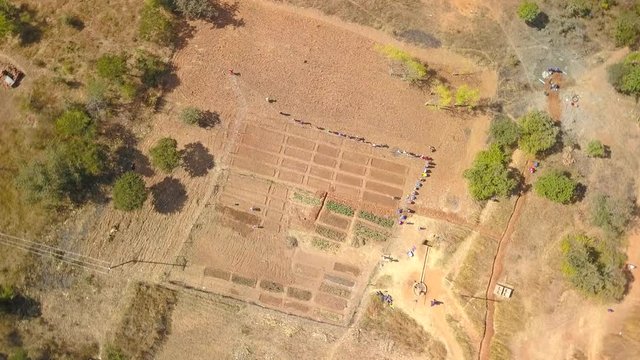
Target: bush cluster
<point x="72" y="161"/>
<point x="625" y="76"/>
<point x="593" y="267"/>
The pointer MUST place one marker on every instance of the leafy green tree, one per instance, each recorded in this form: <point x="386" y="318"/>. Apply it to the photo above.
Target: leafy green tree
<point x="466" y="96"/>
<point x="152" y="69"/>
<point x="593" y="267"/>
<point x="489" y="175"/>
<point x="538" y="132"/>
<point x="611" y="214"/>
<point x="528" y="11"/>
<point x="129" y="192"/>
<point x="112" y="67"/>
<point x="503" y="131"/>
<point x="596" y="149"/>
<point x="156" y="23"/>
<point x="556" y="187"/>
<point x="192" y="115"/>
<point x="75" y="123"/>
<point x="165" y="155"/>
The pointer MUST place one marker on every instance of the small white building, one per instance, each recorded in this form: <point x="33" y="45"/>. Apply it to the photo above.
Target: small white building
<point x="503" y="291"/>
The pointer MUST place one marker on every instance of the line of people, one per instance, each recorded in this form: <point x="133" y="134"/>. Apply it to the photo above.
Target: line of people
<point x="405" y="212"/>
<point x="360" y="139"/>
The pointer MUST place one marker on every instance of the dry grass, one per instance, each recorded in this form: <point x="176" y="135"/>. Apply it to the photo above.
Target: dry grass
<point x="509" y="318"/>
<point x="387" y="15"/>
<point x="381" y="321"/>
<point x="146" y="322"/>
<point x="462" y="338"/>
<point x="473" y="277"/>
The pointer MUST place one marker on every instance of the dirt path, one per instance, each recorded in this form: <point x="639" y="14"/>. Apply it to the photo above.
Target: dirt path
<point x="496" y="272"/>
<point x="454" y="219"/>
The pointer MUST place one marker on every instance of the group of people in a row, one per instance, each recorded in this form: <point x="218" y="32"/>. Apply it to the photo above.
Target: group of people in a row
<point x="360" y="139"/>
<point x="403" y="213"/>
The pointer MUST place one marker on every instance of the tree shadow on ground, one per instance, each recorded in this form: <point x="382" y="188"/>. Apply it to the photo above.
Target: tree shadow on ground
<point x="118" y="132"/>
<point x="209" y="119"/>
<point x="197" y="160"/>
<point x="30" y="28"/>
<point x="131" y="159"/>
<point x="184" y="33"/>
<point x="580" y="193"/>
<point x="227" y="15"/>
<point x="22" y="306"/>
<point x="540" y="22"/>
<point x="169" y="196"/>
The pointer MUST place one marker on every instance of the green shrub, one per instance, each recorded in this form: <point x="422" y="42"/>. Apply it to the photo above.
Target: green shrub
<point x="489" y="175"/>
<point x="415" y="69"/>
<point x="593" y="267"/>
<point x="129" y="192"/>
<point x="596" y="149"/>
<point x="306" y="198"/>
<point x="112" y="67"/>
<point x="615" y="74"/>
<point x="380" y="220"/>
<point x="192" y="115"/>
<point x="556" y="187"/>
<point x="339" y="208"/>
<point x="528" y="11"/>
<point x="75" y="122"/>
<point x="164" y="155"/>
<point x="503" y="131"/>
<point x="445" y="97"/>
<point x="466" y="96"/>
<point x="627" y="29"/>
<point x="538" y="132"/>
<point x="156" y="23"/>
<point x="611" y="214"/>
